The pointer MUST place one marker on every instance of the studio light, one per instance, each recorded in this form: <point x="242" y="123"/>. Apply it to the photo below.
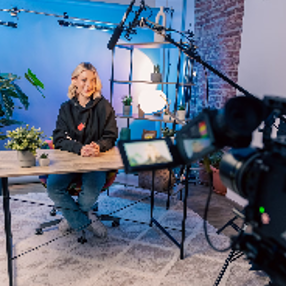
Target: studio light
<point x="152" y="100"/>
<point x="64" y="23"/>
<point x="89" y="24"/>
<point x="8" y="24"/>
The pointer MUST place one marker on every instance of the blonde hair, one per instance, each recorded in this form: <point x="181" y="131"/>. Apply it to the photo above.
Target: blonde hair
<point x="72" y="91"/>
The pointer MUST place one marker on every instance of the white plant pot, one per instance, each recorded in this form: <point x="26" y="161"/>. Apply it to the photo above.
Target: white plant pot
<point x="166" y="117"/>
<point x="127" y="110"/>
<point x="26" y="159"/>
<point x="181" y="114"/>
<point x="156" y="77"/>
<point x="44" y="162"/>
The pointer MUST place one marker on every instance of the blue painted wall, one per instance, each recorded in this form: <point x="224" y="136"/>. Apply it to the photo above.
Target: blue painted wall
<point x="52" y="52"/>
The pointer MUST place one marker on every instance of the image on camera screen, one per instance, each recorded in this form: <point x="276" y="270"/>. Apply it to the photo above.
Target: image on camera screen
<point x="195" y="147"/>
<point x="147" y="153"/>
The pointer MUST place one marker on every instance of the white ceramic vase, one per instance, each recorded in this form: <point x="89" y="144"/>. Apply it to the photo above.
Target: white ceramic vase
<point x="26" y="159"/>
<point x="160" y="16"/>
<point x="43" y="162"/>
<point x="166" y="117"/>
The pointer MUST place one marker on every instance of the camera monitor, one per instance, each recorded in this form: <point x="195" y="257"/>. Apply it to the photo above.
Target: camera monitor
<point x="195" y="140"/>
<point x="141" y="155"/>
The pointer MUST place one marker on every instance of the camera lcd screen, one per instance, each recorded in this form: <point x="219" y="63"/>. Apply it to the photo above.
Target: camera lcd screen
<point x="195" y="147"/>
<point x="195" y="140"/>
<point x="146" y="154"/>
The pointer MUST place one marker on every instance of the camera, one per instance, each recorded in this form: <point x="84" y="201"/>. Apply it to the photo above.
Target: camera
<point x="257" y="174"/>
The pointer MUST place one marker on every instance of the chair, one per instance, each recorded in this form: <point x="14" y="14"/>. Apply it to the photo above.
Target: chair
<point x="74" y="189"/>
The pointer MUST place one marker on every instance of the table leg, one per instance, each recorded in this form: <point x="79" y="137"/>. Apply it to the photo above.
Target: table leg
<point x="184" y="213"/>
<point x="7" y="221"/>
<point x="152" y="197"/>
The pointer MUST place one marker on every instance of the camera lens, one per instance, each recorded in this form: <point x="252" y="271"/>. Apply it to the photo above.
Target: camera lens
<point x="233" y="167"/>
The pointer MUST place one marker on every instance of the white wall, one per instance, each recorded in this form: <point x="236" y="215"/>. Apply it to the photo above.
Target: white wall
<point x="262" y="56"/>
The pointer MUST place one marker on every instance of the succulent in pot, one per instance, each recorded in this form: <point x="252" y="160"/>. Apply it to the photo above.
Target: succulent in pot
<point x="44" y="160"/>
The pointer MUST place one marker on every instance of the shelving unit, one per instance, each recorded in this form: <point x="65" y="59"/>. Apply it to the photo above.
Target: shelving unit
<point x="130" y="81"/>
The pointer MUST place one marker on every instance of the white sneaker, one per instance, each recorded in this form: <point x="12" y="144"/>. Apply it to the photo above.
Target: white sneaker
<point x="64" y="226"/>
<point x="97" y="227"/>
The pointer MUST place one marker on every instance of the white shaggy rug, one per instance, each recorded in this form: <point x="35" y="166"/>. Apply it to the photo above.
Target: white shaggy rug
<point x="134" y="254"/>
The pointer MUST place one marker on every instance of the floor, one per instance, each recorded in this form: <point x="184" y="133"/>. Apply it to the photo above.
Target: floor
<point x="220" y="209"/>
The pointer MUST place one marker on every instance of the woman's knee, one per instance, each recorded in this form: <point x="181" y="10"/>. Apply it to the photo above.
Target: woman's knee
<point x="57" y="183"/>
<point x="95" y="178"/>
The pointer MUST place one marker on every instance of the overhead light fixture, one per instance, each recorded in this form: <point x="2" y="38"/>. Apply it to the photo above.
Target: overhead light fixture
<point x="96" y="25"/>
<point x="14" y="12"/>
<point x="8" y="24"/>
<point x="64" y="23"/>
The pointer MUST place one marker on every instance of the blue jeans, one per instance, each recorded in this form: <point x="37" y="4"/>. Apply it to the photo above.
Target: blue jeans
<point x="76" y="213"/>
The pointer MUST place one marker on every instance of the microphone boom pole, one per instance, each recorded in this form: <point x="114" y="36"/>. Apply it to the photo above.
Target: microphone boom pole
<point x="119" y="29"/>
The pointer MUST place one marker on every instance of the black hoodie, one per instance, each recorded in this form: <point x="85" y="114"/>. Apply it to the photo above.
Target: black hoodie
<point x="77" y="126"/>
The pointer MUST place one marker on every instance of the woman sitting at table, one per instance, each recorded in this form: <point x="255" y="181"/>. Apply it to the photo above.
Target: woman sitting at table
<point x="86" y="126"/>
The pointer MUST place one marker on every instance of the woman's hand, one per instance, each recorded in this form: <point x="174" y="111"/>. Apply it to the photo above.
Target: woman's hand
<point x="90" y="150"/>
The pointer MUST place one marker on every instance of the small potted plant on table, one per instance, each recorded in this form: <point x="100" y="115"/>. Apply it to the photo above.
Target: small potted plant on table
<point x="127" y="107"/>
<point x="44" y="160"/>
<point x="25" y="141"/>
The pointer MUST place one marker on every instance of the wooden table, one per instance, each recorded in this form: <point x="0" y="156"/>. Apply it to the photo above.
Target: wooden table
<point x="62" y="162"/>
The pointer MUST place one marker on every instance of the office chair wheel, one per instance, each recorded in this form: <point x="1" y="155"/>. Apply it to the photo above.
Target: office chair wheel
<point x="82" y="239"/>
<point x="115" y="223"/>
<point x="39" y="231"/>
<point x="53" y="212"/>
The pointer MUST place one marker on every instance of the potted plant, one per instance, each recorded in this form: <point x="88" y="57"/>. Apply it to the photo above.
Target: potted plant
<point x="127" y="107"/>
<point x="166" y="116"/>
<point x="181" y="112"/>
<point x="44" y="160"/>
<point x="215" y="159"/>
<point x="156" y="76"/>
<point x="25" y="141"/>
<point x="9" y="90"/>
<point x="166" y="132"/>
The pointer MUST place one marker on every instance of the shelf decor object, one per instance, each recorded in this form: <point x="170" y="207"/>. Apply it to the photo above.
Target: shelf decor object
<point x="159" y="16"/>
<point x="141" y="113"/>
<point x="156" y="76"/>
<point x="127" y="107"/>
<point x="166" y="117"/>
<point x="181" y="113"/>
<point x="125" y="133"/>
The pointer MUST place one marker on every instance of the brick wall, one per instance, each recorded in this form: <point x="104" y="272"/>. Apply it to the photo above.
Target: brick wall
<point x="218" y="27"/>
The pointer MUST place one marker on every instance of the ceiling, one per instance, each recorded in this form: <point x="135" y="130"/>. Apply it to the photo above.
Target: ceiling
<point x="151" y="3"/>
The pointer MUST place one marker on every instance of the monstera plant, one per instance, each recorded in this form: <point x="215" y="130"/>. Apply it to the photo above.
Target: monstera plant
<point x="10" y="93"/>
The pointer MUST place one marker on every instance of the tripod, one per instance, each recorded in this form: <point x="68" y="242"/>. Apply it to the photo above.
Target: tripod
<point x="234" y="254"/>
